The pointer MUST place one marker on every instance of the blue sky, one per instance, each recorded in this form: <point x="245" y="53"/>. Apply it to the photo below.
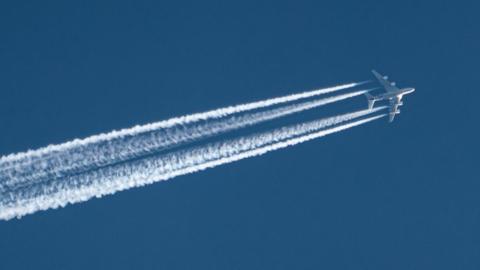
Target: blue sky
<point x="398" y="196"/>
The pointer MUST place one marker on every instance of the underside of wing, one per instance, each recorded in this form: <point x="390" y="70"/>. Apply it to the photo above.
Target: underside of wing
<point x="383" y="80"/>
<point x="391" y="116"/>
<point x="393" y="110"/>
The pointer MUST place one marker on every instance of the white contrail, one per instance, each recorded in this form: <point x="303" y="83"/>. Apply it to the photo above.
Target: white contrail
<point x="80" y="159"/>
<point x="213" y="114"/>
<point x="141" y="172"/>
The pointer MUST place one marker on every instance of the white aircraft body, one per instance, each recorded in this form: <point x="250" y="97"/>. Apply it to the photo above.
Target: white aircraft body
<point x="392" y="93"/>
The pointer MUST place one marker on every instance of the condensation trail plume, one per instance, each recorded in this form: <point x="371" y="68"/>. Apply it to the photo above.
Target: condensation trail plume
<point x="213" y="114"/>
<point x="109" y="180"/>
<point x="80" y="159"/>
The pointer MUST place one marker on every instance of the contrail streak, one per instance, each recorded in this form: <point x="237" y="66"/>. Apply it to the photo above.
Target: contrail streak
<point x="83" y="158"/>
<point x="109" y="180"/>
<point x="182" y="120"/>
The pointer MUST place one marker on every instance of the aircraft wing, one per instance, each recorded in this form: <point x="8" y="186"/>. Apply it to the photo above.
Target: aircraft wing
<point x="391" y="116"/>
<point x="389" y="86"/>
<point x="394" y="103"/>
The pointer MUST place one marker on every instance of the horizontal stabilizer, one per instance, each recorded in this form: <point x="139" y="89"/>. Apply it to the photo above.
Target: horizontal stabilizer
<point x="371" y="100"/>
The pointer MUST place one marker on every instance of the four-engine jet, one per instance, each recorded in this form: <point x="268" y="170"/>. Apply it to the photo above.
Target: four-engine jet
<point x="392" y="93"/>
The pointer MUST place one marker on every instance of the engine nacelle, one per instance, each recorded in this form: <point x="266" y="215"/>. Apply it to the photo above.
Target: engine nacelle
<point x="393" y="83"/>
<point x="385" y="77"/>
<point x="400" y="103"/>
<point x="397" y="112"/>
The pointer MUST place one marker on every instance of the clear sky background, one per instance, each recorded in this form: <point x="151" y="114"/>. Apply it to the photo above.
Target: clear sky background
<point x="380" y="196"/>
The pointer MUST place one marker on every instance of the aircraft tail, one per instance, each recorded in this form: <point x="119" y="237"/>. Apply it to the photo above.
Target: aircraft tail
<point x="371" y="100"/>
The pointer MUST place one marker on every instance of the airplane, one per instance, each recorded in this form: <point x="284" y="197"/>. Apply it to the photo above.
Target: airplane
<point x="392" y="93"/>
